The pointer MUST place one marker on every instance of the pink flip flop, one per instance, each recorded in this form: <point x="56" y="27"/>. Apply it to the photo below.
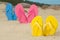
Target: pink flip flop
<point x="33" y="11"/>
<point x="20" y="13"/>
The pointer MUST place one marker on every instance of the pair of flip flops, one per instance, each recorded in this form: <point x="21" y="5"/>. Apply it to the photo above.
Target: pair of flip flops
<point x="39" y="29"/>
<point x="10" y="12"/>
<point x="21" y="14"/>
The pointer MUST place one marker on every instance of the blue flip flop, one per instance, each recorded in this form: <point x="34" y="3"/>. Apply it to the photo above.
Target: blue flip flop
<point x="9" y="12"/>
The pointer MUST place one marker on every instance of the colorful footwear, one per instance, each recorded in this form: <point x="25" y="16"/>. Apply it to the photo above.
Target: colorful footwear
<point x="9" y="12"/>
<point x="33" y="12"/>
<point x="19" y="10"/>
<point x="37" y="26"/>
<point x="22" y="17"/>
<point x="51" y="25"/>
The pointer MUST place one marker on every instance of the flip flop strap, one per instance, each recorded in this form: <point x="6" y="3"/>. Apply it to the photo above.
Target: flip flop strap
<point x="37" y="24"/>
<point x="50" y="25"/>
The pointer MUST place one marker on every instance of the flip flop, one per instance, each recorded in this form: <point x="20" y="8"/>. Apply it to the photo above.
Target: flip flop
<point x="22" y="17"/>
<point x="19" y="10"/>
<point x="51" y="26"/>
<point x="9" y="12"/>
<point x="37" y="26"/>
<point x="33" y="12"/>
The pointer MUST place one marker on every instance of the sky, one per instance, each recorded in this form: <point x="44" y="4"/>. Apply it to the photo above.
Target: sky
<point x="47" y="1"/>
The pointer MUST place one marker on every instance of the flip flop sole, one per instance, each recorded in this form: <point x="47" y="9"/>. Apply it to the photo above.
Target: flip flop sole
<point x="33" y="12"/>
<point x="51" y="25"/>
<point x="37" y="26"/>
<point x="9" y="12"/>
<point x="19" y="10"/>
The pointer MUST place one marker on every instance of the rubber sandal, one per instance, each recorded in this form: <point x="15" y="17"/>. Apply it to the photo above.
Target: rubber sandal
<point x="19" y="10"/>
<point x="33" y="12"/>
<point x="51" y="26"/>
<point x="9" y="12"/>
<point x="37" y="26"/>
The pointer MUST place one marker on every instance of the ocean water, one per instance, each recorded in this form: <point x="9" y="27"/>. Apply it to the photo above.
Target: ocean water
<point x="52" y="2"/>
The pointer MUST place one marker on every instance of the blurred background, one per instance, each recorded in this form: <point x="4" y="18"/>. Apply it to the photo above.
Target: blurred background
<point x="14" y="2"/>
<point x="55" y="4"/>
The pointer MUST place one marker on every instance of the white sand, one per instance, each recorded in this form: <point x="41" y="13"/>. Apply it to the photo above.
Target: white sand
<point x="13" y="30"/>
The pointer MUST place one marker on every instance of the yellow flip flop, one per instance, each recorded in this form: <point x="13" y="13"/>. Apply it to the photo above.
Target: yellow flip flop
<point x="37" y="26"/>
<point x="51" y="25"/>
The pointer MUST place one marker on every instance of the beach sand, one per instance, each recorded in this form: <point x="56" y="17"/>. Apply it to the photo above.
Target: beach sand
<point x="13" y="30"/>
